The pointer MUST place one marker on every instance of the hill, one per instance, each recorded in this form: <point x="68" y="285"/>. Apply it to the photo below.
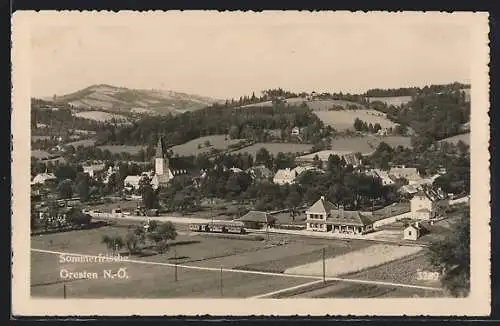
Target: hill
<point x="121" y="99"/>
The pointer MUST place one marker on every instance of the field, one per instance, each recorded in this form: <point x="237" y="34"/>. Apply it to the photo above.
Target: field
<point x="391" y="100"/>
<point x="324" y="105"/>
<point x="304" y="254"/>
<point x="147" y="281"/>
<point x="367" y="144"/>
<point x="406" y="268"/>
<point x="216" y="142"/>
<point x="99" y="116"/>
<point x="249" y="267"/>
<point x="84" y="143"/>
<point x="347" y="290"/>
<point x="344" y="119"/>
<point x="275" y="148"/>
<point x="454" y="139"/>
<point x="358" y="260"/>
<point x="39" y="154"/>
<point x="132" y="150"/>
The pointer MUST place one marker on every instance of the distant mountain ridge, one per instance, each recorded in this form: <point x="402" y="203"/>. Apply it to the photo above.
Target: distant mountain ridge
<point x="122" y="99"/>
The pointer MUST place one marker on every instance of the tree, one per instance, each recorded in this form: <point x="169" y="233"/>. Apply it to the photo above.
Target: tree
<point x="83" y="186"/>
<point x="77" y="217"/>
<point x="133" y="239"/>
<point x="263" y="157"/>
<point x="114" y="243"/>
<point x="149" y="196"/>
<point x="452" y="255"/>
<point x="234" y="132"/>
<point x="164" y="232"/>
<point x="65" y="189"/>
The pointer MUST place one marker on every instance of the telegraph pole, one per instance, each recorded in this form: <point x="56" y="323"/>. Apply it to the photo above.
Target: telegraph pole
<point x="175" y="270"/>
<point x="221" y="291"/>
<point x="324" y="278"/>
<point x="64" y="290"/>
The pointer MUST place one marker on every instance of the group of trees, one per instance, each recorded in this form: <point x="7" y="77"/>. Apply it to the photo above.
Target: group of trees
<point x="452" y="256"/>
<point x="152" y="234"/>
<point x="74" y="217"/>
<point x="239" y="123"/>
<point x="360" y="125"/>
<point x="435" y="112"/>
<point x="454" y="158"/>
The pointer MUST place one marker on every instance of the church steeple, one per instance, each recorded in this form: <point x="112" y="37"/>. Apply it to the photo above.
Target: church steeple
<point x="159" y="149"/>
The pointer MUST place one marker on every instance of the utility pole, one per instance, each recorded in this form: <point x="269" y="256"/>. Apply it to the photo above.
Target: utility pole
<point x="324" y="278"/>
<point x="221" y="291"/>
<point x="175" y="258"/>
<point x="64" y="290"/>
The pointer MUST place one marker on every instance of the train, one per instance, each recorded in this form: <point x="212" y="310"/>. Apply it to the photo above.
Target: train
<point x="218" y="227"/>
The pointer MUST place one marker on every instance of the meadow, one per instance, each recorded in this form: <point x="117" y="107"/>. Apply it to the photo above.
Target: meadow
<point x="197" y="146"/>
<point x="368" y="143"/>
<point x="275" y="148"/>
<point x="355" y="261"/>
<point x="324" y="105"/>
<point x="40" y="154"/>
<point x="455" y="139"/>
<point x="344" y="119"/>
<point x="147" y="281"/>
<point x="131" y="149"/>
<point x="205" y="260"/>
<point x="99" y="116"/>
<point x="392" y="100"/>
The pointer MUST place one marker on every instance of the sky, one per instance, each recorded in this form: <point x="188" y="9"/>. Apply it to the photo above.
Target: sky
<point x="228" y="55"/>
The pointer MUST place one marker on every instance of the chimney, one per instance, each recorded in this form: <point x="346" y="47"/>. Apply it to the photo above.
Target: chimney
<point x="341" y="211"/>
<point x="322" y="198"/>
<point x="417" y="224"/>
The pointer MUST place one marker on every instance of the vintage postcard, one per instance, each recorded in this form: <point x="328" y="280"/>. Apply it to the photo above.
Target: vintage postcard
<point x="242" y="163"/>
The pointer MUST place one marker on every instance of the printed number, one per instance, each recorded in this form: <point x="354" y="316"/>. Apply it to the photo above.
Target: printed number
<point x="427" y="276"/>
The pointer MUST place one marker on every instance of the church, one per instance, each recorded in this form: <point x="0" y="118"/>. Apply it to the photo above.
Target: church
<point x="162" y="173"/>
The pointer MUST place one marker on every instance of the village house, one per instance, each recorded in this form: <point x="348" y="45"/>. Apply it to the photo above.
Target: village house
<point x="257" y="220"/>
<point x="236" y="170"/>
<point x="408" y="190"/>
<point x="41" y="178"/>
<point x="288" y="176"/>
<point x="92" y="169"/>
<point x="414" y="231"/>
<point x="295" y="131"/>
<point x="427" y="204"/>
<point x="323" y="216"/>
<point x="383" y="132"/>
<point x="410" y="174"/>
<point x="260" y="173"/>
<point x="384" y="177"/>
<point x="348" y="156"/>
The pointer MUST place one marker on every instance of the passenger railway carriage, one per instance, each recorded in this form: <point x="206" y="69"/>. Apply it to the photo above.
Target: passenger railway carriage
<point x="218" y="227"/>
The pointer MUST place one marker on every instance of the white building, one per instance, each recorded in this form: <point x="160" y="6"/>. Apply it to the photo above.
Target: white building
<point x="403" y="172"/>
<point x="323" y="216"/>
<point x="426" y="204"/>
<point x="384" y="177"/>
<point x="295" y="131"/>
<point x="413" y="231"/>
<point x="348" y="156"/>
<point x="41" y="178"/>
<point x="288" y="176"/>
<point x="92" y="169"/>
<point x="284" y="176"/>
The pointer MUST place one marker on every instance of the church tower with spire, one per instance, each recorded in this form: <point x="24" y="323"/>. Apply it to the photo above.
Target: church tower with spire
<point x="161" y="162"/>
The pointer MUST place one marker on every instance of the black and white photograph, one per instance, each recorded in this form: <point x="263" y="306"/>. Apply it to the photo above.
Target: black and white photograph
<point x="267" y="156"/>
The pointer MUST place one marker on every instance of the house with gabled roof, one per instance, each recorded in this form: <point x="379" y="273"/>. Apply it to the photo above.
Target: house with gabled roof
<point x="257" y="219"/>
<point x="426" y="204"/>
<point x="324" y="216"/>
